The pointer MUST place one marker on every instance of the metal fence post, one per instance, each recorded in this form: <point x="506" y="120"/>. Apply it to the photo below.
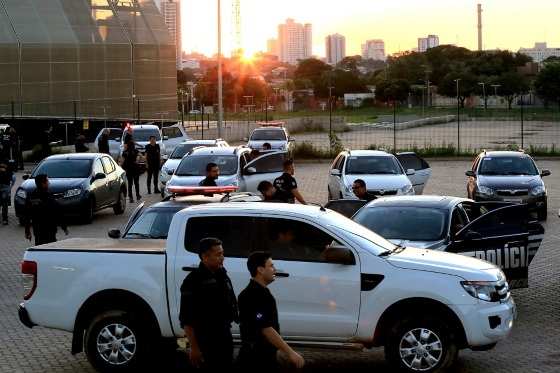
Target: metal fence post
<point x="522" y="129"/>
<point x="458" y="127"/>
<point x="395" y="127"/>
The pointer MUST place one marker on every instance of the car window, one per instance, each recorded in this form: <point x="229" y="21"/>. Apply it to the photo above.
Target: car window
<point x="115" y="134"/>
<point x="64" y="168"/>
<point x="412" y="161"/>
<point x="143" y="134"/>
<point x="98" y="167"/>
<point x="153" y="224"/>
<point x="269" y="134"/>
<point x="458" y="221"/>
<point x="504" y="166"/>
<point x="172" y="132"/>
<point x="243" y="160"/>
<point x="269" y="163"/>
<point x="233" y="231"/>
<point x="108" y="165"/>
<point x="336" y="162"/>
<point x="195" y="165"/>
<point x="181" y="150"/>
<point x="475" y="164"/>
<point x="501" y="222"/>
<point x="341" y="164"/>
<point x="373" y="165"/>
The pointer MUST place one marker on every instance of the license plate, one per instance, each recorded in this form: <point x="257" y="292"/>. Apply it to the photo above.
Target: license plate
<point x="513" y="200"/>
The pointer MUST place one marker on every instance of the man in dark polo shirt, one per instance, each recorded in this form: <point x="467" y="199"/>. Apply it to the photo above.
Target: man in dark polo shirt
<point x="212" y="174"/>
<point x="360" y="190"/>
<point x="208" y="307"/>
<point x="262" y="346"/>
<point x="286" y="186"/>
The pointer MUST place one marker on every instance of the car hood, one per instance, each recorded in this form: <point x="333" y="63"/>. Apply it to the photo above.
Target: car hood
<point x="509" y="182"/>
<point x="195" y="180"/>
<point x="470" y="269"/>
<point x="430" y="245"/>
<point x="376" y="182"/>
<point x="55" y="185"/>
<point x="171" y="164"/>
<point x="273" y="144"/>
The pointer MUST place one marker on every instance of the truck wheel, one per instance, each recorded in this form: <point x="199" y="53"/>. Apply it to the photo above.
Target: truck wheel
<point x="421" y="345"/>
<point x="120" y="206"/>
<point x="115" y="342"/>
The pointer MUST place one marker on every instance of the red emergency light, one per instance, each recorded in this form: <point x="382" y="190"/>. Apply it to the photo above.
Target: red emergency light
<point x="190" y="190"/>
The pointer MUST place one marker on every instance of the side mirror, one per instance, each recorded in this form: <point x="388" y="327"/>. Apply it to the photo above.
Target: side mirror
<point x="410" y="172"/>
<point x="470" y="173"/>
<point x="114" y="233"/>
<point x="545" y="173"/>
<point x="165" y="138"/>
<point x="250" y="170"/>
<point x="335" y="172"/>
<point x="471" y="235"/>
<point x="26" y="176"/>
<point x="339" y="255"/>
<point x="99" y="176"/>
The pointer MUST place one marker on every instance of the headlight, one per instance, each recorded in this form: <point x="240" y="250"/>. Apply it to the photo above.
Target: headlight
<point x="21" y="194"/>
<point x="485" y="190"/>
<point x="483" y="290"/>
<point x="539" y="190"/>
<point x="407" y="189"/>
<point x="72" y="193"/>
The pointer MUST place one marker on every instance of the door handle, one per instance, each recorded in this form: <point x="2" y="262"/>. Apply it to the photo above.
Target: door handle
<point x="282" y="274"/>
<point x="189" y="268"/>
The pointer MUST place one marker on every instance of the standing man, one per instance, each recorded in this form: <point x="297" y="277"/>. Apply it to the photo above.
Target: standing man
<point x="208" y="307"/>
<point x="212" y="174"/>
<point x="130" y="165"/>
<point x="80" y="145"/>
<point x="286" y="185"/>
<point x="262" y="345"/>
<point x="360" y="190"/>
<point x="7" y="181"/>
<point x="103" y="142"/>
<point x="42" y="213"/>
<point x="153" y="159"/>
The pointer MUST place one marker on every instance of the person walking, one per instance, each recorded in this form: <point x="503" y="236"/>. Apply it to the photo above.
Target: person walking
<point x="42" y="214"/>
<point x="103" y="142"/>
<point x="7" y="181"/>
<point x="212" y="174"/>
<point x="286" y="185"/>
<point x="208" y="307"/>
<point x="262" y="346"/>
<point x="153" y="160"/>
<point x="132" y="169"/>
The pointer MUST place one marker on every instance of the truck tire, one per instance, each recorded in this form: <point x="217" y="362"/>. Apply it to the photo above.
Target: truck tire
<point x="116" y="342"/>
<point x="421" y="344"/>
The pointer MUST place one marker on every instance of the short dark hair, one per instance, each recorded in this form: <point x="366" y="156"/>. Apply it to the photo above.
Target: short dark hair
<point x="210" y="166"/>
<point x="40" y="179"/>
<point x="257" y="259"/>
<point x="206" y="244"/>
<point x="287" y="163"/>
<point x="360" y="182"/>
<point x="267" y="145"/>
<point x="264" y="186"/>
<point x="152" y="137"/>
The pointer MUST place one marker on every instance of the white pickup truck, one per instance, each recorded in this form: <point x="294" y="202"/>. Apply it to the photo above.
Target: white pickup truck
<point x="338" y="285"/>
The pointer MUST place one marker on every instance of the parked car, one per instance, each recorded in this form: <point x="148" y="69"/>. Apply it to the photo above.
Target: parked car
<point x="141" y="135"/>
<point x="115" y="136"/>
<point x="346" y="286"/>
<point x="274" y="134"/>
<point x="179" y="152"/>
<point x="501" y="233"/>
<point x="236" y="168"/>
<point x="173" y="136"/>
<point x="81" y="184"/>
<point x="508" y="176"/>
<point x="382" y="172"/>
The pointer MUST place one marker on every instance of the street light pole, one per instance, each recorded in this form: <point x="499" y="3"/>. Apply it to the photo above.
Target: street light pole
<point x="458" y="118"/>
<point x="330" y="114"/>
<point x="484" y="94"/>
<point x="496" y="86"/>
<point x="220" y="78"/>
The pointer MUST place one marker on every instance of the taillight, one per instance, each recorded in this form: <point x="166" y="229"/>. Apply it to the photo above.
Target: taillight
<point x="29" y="275"/>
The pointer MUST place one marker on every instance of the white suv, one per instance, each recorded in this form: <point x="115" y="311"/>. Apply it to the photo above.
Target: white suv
<point x="276" y="136"/>
<point x="382" y="172"/>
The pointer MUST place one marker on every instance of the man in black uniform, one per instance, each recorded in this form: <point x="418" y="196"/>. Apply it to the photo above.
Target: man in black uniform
<point x="153" y="160"/>
<point x="103" y="142"/>
<point x="212" y="174"/>
<point x="286" y="185"/>
<point x="268" y="191"/>
<point x="42" y="213"/>
<point x="262" y="346"/>
<point x="208" y="307"/>
<point x="360" y="190"/>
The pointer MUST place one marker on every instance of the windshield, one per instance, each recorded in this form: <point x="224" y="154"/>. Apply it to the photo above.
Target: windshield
<point x="404" y="223"/>
<point x="372" y="166"/>
<point x="153" y="224"/>
<point x="272" y="135"/>
<point x="504" y="166"/>
<point x="65" y="168"/>
<point x="143" y="134"/>
<point x="183" y="149"/>
<point x="195" y="165"/>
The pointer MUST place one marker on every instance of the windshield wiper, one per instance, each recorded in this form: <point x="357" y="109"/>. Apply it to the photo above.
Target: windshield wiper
<point x="141" y="235"/>
<point x="396" y="250"/>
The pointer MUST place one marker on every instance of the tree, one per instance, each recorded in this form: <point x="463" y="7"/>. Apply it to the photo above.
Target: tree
<point x="512" y="84"/>
<point x="311" y="69"/>
<point x="547" y="83"/>
<point x="392" y="90"/>
<point x="468" y="85"/>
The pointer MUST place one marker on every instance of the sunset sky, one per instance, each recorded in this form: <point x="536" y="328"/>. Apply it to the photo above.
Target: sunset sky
<point x="508" y="24"/>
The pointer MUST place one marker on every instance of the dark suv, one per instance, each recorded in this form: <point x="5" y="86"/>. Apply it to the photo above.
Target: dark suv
<point x="508" y="176"/>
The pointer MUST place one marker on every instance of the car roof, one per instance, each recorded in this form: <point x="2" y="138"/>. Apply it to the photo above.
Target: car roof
<point x="364" y="153"/>
<point x="180" y="202"/>
<point x="505" y="153"/>
<point x="75" y="156"/>
<point x="144" y="126"/>
<point x="284" y="209"/>
<point x="438" y="202"/>
<point x="210" y="142"/>
<point x="214" y="150"/>
<point x="270" y="128"/>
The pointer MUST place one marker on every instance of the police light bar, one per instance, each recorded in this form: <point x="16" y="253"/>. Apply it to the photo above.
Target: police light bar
<point x="190" y="190"/>
<point x="270" y="124"/>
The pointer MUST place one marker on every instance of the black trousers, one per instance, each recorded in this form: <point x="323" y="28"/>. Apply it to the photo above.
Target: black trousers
<point x="152" y="172"/>
<point x="4" y="204"/>
<point x="42" y="237"/>
<point x="217" y="350"/>
<point x="255" y="360"/>
<point x="133" y="178"/>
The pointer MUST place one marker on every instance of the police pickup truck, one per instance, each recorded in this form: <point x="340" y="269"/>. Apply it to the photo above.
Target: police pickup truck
<point x="338" y="285"/>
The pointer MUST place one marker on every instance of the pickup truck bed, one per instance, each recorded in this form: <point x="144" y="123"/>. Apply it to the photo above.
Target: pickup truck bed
<point x="105" y="245"/>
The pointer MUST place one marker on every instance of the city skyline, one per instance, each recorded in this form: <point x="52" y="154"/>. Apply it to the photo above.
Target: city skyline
<point x="507" y="24"/>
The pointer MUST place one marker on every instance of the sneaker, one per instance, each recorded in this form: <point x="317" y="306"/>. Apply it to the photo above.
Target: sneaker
<point x="157" y="191"/>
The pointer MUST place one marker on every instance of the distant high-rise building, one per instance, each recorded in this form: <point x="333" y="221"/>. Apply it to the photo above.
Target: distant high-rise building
<point x="374" y="50"/>
<point x="294" y="41"/>
<point x="171" y="11"/>
<point x="424" y="44"/>
<point x="335" y="48"/>
<point x="540" y="52"/>
<point x="272" y="47"/>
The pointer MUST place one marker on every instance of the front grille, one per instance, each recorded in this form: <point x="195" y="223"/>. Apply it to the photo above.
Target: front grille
<point x="512" y="192"/>
<point x="382" y="193"/>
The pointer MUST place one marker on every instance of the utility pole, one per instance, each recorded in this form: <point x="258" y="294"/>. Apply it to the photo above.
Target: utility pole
<point x="220" y="78"/>
<point x="522" y="113"/>
<point x="496" y="86"/>
<point x="458" y="118"/>
<point x="484" y="94"/>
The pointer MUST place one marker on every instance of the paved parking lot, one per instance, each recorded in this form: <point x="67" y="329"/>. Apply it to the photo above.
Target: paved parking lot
<point x="532" y="347"/>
